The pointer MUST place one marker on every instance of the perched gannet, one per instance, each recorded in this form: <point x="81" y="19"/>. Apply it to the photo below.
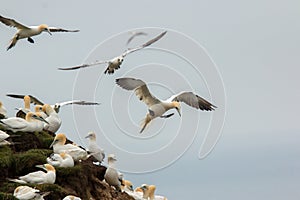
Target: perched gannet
<point x="31" y="123"/>
<point x="38" y="177"/>
<point x="38" y="109"/>
<point x="116" y="62"/>
<point x="56" y="106"/>
<point x="22" y="111"/>
<point x="54" y="121"/>
<point x="148" y="192"/>
<point x="59" y="146"/>
<point x="93" y="148"/>
<point x="4" y="136"/>
<point x="29" y="31"/>
<point x="157" y="107"/>
<point x="128" y="188"/>
<point x="71" y="197"/>
<point x="3" y="112"/>
<point x="135" y="34"/>
<point x="28" y="193"/>
<point x="112" y="176"/>
<point x="60" y="160"/>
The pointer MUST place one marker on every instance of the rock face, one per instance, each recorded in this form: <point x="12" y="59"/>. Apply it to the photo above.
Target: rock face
<point x="29" y="149"/>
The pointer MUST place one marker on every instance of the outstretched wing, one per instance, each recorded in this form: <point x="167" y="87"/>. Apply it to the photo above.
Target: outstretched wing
<point x="78" y="102"/>
<point x="33" y="99"/>
<point x="12" y="23"/>
<point x="135" y="34"/>
<point x="140" y="88"/>
<point x="193" y="100"/>
<point x="84" y="65"/>
<point x="54" y="29"/>
<point x="128" y="51"/>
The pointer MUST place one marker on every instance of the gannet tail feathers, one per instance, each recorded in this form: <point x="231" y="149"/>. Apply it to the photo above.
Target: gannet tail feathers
<point x="13" y="42"/>
<point x="17" y="181"/>
<point x="145" y="122"/>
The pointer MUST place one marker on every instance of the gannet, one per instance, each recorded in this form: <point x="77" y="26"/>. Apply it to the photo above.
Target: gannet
<point x="157" y="107"/>
<point x="71" y="197"/>
<point x="60" y="160"/>
<point x="112" y="176"/>
<point x="93" y="148"/>
<point x="31" y="123"/>
<point x="3" y="112"/>
<point x="115" y="63"/>
<point x="38" y="109"/>
<point x="128" y="188"/>
<point x="54" y="121"/>
<point x="4" y="136"/>
<point x="28" y="193"/>
<point x="59" y="146"/>
<point x="55" y="106"/>
<point x="38" y="177"/>
<point x="29" y="31"/>
<point x="135" y="34"/>
<point x="148" y="192"/>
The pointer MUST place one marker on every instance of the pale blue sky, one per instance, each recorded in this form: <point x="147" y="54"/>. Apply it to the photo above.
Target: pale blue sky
<point x="253" y="43"/>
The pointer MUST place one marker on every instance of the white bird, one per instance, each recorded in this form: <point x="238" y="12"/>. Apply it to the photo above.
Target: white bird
<point x="71" y="197"/>
<point x="28" y="31"/>
<point x="59" y="146"/>
<point x="157" y="107"/>
<point x="4" y="136"/>
<point x="54" y="121"/>
<point x="148" y="192"/>
<point x="38" y="177"/>
<point x="135" y="34"/>
<point x="116" y="62"/>
<point x="128" y="188"/>
<point x="60" y="160"/>
<point x="31" y="123"/>
<point x="3" y="111"/>
<point x="55" y="106"/>
<point x="112" y="176"/>
<point x="28" y="193"/>
<point x="93" y="148"/>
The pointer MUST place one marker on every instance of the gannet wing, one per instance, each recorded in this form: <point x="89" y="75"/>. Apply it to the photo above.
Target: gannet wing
<point x="77" y="102"/>
<point x="15" y="123"/>
<point x="33" y="177"/>
<point x="54" y="29"/>
<point x="12" y="23"/>
<point x="128" y="51"/>
<point x="135" y="34"/>
<point x="140" y="88"/>
<point x="193" y="100"/>
<point x="33" y="99"/>
<point x="84" y="65"/>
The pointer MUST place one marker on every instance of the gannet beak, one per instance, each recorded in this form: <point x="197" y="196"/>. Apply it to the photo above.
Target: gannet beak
<point x="41" y="119"/>
<point x="53" y="143"/>
<point x="48" y="31"/>
<point x="40" y="166"/>
<point x="131" y="188"/>
<point x="87" y="136"/>
<point x="178" y="110"/>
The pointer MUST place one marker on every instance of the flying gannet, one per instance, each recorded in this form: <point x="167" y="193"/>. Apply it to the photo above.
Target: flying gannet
<point x="38" y="177"/>
<point x="28" y="31"/>
<point x="157" y="107"/>
<point x="55" y="106"/>
<point x="116" y="62"/>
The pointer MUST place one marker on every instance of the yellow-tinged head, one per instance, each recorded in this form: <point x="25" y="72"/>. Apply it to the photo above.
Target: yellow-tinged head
<point x="49" y="167"/>
<point x="63" y="155"/>
<point x="47" y="109"/>
<point x="127" y="184"/>
<point x="152" y="189"/>
<point x="27" y="101"/>
<point x="38" y="108"/>
<point x="177" y="106"/>
<point x="44" y="27"/>
<point x="60" y="138"/>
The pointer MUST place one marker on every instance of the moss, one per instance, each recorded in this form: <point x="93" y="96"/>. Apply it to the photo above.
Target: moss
<point x="44" y="138"/>
<point x="6" y="196"/>
<point x="26" y="160"/>
<point x="6" y="157"/>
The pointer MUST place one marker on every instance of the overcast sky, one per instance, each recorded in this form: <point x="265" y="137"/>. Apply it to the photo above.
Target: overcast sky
<point x="254" y="47"/>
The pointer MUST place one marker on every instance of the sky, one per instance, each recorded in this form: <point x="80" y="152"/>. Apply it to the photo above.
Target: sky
<point x="252" y="50"/>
